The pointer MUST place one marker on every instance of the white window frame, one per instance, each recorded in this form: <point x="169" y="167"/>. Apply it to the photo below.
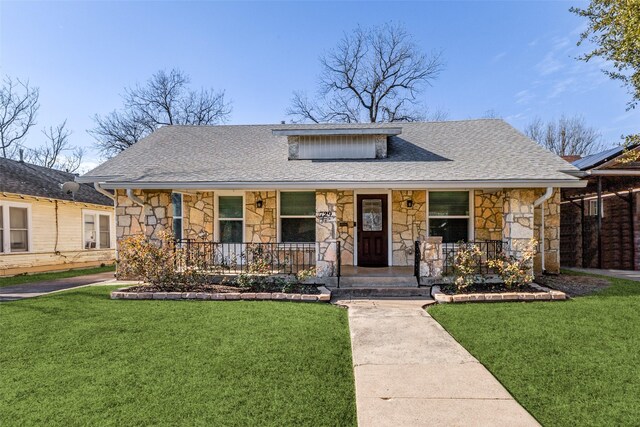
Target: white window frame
<point x="181" y="217"/>
<point x="96" y="218"/>
<point x="592" y="208"/>
<point x="470" y="217"/>
<point x="279" y="216"/>
<point x="216" y="213"/>
<point x="6" y="229"/>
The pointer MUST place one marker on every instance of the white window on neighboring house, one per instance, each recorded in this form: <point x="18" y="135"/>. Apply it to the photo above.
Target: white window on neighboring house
<point x="449" y="215"/>
<point x="96" y="230"/>
<point x="176" y="202"/>
<point x="592" y="208"/>
<point x="15" y="223"/>
<point x="230" y="219"/>
<point x="298" y="216"/>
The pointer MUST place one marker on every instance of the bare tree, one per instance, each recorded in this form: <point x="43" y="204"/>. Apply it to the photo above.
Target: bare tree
<point x="565" y="136"/>
<point x="164" y="99"/>
<point x="18" y="109"/>
<point x="57" y="152"/>
<point x="373" y="75"/>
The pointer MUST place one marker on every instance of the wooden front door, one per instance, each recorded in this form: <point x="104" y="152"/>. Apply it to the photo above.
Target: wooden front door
<point x="373" y="230"/>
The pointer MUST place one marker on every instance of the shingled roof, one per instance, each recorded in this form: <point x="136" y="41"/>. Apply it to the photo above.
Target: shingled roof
<point x="27" y="179"/>
<point x="460" y="152"/>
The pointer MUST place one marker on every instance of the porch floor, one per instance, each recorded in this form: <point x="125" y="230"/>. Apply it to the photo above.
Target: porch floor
<point x="354" y="271"/>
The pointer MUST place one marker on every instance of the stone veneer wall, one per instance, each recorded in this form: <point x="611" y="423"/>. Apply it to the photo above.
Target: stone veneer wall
<point x="551" y="234"/>
<point x="517" y="226"/>
<point x="345" y="214"/>
<point x="197" y="211"/>
<point x="133" y="219"/>
<point x="260" y="223"/>
<point x="326" y="233"/>
<point x="488" y="215"/>
<point x="407" y="224"/>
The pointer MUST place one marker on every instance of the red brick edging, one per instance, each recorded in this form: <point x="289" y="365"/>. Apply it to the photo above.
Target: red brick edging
<point x="323" y="296"/>
<point x="546" y="294"/>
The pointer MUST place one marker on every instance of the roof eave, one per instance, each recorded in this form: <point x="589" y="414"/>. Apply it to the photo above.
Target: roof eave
<point x="344" y="185"/>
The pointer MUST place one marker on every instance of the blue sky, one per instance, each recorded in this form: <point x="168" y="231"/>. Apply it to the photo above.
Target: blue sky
<point x="516" y="58"/>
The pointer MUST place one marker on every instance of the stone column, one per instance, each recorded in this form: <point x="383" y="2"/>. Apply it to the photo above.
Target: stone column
<point x="407" y="224"/>
<point x="326" y="233"/>
<point x="431" y="261"/>
<point x="517" y="224"/>
<point x="345" y="225"/>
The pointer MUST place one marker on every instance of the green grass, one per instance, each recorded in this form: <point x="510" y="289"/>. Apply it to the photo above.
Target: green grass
<point x="40" y="277"/>
<point x="573" y="363"/>
<point x="79" y="358"/>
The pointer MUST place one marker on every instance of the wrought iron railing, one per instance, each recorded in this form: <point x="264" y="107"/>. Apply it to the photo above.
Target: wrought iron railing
<point x="237" y="258"/>
<point x="417" y="257"/>
<point x="338" y="262"/>
<point x="488" y="249"/>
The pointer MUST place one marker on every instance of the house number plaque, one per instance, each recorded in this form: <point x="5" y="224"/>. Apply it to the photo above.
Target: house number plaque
<point x="326" y="216"/>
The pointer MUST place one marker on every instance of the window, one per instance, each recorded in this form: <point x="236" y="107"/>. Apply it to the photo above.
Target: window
<point x="449" y="215"/>
<point x="230" y="221"/>
<point x="592" y="208"/>
<point x="176" y="202"/>
<point x="97" y="230"/>
<point x="14" y="227"/>
<point x="297" y="217"/>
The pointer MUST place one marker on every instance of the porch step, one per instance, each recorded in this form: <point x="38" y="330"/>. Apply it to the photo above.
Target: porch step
<point x="378" y="281"/>
<point x="380" y="292"/>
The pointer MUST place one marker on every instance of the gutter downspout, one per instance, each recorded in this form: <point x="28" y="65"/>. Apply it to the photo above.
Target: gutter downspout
<point x="546" y="196"/>
<point x="102" y="191"/>
<point x="135" y="199"/>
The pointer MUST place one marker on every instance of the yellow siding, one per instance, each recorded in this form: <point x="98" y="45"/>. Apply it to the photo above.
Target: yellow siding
<point x="51" y="249"/>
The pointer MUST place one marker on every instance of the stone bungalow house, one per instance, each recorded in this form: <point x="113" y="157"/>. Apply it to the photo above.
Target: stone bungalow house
<point x="43" y="228"/>
<point x="360" y="193"/>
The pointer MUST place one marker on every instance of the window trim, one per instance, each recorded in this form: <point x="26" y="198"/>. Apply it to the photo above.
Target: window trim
<point x="279" y="216"/>
<point x="181" y="217"/>
<point x="6" y="229"/>
<point x="216" y="213"/>
<point x="471" y="216"/>
<point x="96" y="214"/>
<point x="592" y="208"/>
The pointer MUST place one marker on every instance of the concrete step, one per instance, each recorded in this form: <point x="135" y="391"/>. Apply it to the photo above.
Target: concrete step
<point x="380" y="292"/>
<point x="378" y="281"/>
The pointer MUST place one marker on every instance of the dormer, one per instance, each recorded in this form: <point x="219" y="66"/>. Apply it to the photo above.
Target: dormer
<point x="338" y="143"/>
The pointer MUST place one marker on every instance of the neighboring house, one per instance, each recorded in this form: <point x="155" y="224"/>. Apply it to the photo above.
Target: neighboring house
<point x="600" y="223"/>
<point x="360" y="193"/>
<point x="43" y="228"/>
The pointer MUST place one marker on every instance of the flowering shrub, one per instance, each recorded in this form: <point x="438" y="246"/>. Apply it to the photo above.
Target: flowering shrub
<point x="516" y="271"/>
<point x="465" y="265"/>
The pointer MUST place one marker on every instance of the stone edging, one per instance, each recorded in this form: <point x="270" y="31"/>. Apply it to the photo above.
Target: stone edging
<point x="546" y="294"/>
<point x="323" y="296"/>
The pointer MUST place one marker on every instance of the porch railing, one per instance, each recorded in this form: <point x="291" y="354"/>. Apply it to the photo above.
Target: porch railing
<point x="237" y="258"/>
<point x="489" y="249"/>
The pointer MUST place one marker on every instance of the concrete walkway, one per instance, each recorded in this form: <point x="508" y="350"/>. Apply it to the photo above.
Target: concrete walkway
<point x="29" y="290"/>
<point x="410" y="372"/>
<point x="619" y="274"/>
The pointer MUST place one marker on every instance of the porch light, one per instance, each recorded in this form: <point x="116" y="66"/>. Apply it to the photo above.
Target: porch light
<point x="409" y="203"/>
<point x="259" y="203"/>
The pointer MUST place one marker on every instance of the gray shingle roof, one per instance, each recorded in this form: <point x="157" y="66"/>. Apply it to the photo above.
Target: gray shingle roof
<point x="471" y="150"/>
<point x="24" y="178"/>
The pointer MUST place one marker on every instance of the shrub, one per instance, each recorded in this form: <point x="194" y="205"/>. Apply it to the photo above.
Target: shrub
<point x="157" y="262"/>
<point x="516" y="271"/>
<point x="466" y="261"/>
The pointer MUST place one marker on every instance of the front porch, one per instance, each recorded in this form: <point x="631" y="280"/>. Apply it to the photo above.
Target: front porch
<point x="342" y="234"/>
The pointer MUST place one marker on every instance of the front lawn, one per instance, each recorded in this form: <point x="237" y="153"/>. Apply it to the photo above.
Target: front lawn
<point x="79" y="358"/>
<point x="572" y="363"/>
<point x="40" y="277"/>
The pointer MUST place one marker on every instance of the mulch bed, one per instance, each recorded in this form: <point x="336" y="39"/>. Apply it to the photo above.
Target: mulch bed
<point x="574" y="286"/>
<point x="487" y="288"/>
<point x="221" y="288"/>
